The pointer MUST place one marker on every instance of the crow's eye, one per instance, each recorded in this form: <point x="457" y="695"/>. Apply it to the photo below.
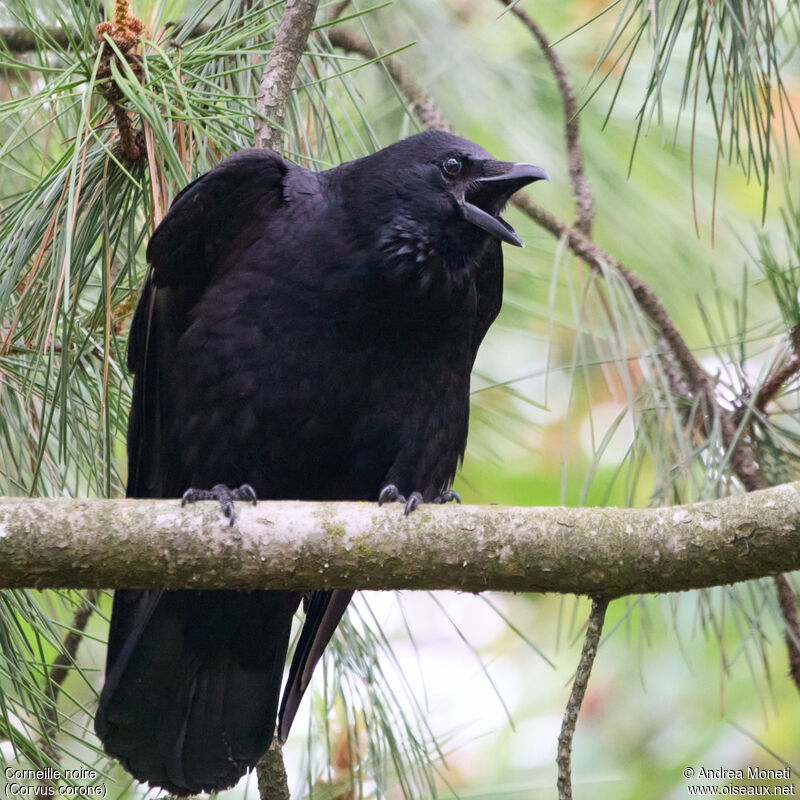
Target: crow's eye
<point x="451" y="166"/>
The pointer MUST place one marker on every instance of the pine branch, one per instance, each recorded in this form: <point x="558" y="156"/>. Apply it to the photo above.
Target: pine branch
<point x="24" y="40"/>
<point x="607" y="552"/>
<point x="278" y="76"/>
<point x="590" y="644"/>
<point x="55" y="679"/>
<point x="776" y="382"/>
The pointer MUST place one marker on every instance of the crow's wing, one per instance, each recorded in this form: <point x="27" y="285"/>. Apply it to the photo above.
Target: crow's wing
<point x="210" y="223"/>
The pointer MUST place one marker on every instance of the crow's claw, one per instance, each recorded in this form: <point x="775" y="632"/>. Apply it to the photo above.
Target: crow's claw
<point x="224" y="495"/>
<point x="414" y="499"/>
<point x="390" y="494"/>
<point x="247" y="492"/>
<point x="446" y="496"/>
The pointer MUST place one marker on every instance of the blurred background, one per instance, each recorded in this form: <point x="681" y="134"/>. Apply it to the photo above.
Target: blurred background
<point x="443" y="695"/>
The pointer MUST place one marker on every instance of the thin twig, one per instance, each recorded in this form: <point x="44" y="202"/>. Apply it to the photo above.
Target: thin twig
<point x="276" y="81"/>
<point x="55" y="679"/>
<point x="590" y="643"/>
<point x="775" y="382"/>
<point x="580" y="186"/>
<point x="594" y="256"/>
<point x="786" y="598"/>
<point x="788" y="604"/>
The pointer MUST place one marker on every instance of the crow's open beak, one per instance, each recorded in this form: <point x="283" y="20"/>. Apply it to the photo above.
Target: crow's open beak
<point x="495" y="189"/>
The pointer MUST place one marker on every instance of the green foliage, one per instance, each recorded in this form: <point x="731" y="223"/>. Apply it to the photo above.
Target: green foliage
<point x="734" y="58"/>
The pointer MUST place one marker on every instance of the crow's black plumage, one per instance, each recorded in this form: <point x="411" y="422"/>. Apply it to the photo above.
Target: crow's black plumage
<point x="311" y="335"/>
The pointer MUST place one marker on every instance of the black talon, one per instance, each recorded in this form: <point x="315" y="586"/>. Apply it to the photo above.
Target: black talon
<point x="224" y="495"/>
<point x="414" y="499"/>
<point x="446" y="496"/>
<point x="390" y="494"/>
<point x="247" y="492"/>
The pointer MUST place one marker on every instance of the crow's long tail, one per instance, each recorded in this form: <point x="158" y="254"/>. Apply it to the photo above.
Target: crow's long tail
<point x="192" y="683"/>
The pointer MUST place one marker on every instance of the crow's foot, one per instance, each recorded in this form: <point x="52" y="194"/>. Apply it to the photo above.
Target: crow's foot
<point x="447" y="496"/>
<point x="224" y="494"/>
<point x="391" y="494"/>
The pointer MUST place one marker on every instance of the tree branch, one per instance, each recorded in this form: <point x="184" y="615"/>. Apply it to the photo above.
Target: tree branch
<point x="604" y="552"/>
<point x="590" y="644"/>
<point x="776" y="382"/>
<point x="788" y="606"/>
<point x="278" y="76"/>
<point x="55" y="679"/>
<point x="23" y="40"/>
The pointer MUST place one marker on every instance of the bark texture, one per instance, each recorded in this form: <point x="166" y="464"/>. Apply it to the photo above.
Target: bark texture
<point x="603" y="552"/>
<point x="278" y="76"/>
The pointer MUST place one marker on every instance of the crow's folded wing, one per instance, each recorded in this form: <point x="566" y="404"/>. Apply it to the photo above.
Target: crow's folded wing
<point x="210" y="223"/>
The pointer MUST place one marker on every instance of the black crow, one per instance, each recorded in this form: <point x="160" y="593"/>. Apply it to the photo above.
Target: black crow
<point x="304" y="336"/>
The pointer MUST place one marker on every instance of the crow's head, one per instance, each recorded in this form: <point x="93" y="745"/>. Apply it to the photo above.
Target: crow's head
<point x="435" y="196"/>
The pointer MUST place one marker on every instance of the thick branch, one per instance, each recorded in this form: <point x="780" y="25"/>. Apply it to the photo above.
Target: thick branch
<point x="276" y="82"/>
<point x="606" y="552"/>
<point x="23" y="40"/>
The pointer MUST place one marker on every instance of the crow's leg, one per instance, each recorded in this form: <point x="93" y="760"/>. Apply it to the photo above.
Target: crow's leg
<point x="224" y="494"/>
